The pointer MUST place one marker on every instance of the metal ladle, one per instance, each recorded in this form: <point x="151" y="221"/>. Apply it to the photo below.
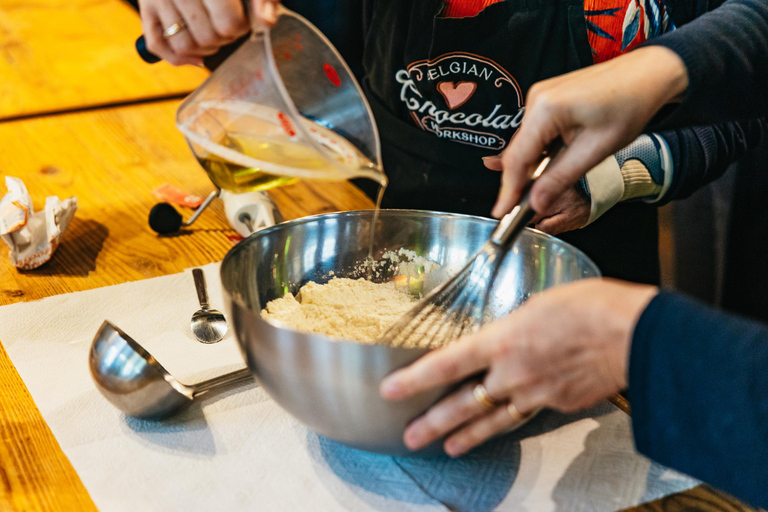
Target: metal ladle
<point x="134" y="382"/>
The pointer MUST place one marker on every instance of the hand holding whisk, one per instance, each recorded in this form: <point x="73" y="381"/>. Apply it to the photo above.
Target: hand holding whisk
<point x="458" y="306"/>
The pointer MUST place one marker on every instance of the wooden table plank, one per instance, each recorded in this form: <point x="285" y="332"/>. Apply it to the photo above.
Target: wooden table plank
<point x="702" y="498"/>
<point x="35" y="474"/>
<point x="111" y="160"/>
<point x="67" y="54"/>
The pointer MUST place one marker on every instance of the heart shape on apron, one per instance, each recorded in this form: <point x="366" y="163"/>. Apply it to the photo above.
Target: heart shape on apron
<point x="456" y="93"/>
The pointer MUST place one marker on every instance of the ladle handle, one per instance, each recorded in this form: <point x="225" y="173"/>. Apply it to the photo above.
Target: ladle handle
<point x="202" y="292"/>
<point x="522" y="214"/>
<point x="222" y="381"/>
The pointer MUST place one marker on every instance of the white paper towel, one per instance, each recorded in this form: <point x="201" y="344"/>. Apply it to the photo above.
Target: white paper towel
<point x="240" y="451"/>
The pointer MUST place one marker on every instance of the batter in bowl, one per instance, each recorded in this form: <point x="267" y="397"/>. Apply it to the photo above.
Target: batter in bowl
<point x="350" y="309"/>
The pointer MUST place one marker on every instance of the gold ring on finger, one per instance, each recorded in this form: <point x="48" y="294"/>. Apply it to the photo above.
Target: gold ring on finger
<point x="174" y="29"/>
<point x="517" y="416"/>
<point x="482" y="397"/>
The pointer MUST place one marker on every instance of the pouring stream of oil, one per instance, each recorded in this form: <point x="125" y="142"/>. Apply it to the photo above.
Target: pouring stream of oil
<point x="238" y="178"/>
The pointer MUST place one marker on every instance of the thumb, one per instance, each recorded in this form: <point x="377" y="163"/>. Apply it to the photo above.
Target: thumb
<point x="266" y="11"/>
<point x="493" y="162"/>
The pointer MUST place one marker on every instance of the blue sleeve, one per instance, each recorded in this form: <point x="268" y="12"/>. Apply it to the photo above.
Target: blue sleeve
<point x="702" y="154"/>
<point x="698" y="384"/>
<point x="724" y="52"/>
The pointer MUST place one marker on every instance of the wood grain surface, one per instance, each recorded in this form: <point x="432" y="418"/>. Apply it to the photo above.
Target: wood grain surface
<point x="65" y="54"/>
<point x="112" y="160"/>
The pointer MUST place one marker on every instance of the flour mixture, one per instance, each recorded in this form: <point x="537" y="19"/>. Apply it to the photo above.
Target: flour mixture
<point x="351" y="309"/>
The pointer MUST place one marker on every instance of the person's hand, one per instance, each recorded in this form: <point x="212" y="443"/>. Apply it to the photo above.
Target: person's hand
<point x="570" y="210"/>
<point x="266" y="11"/>
<point x="596" y="111"/>
<point x="207" y="26"/>
<point x="566" y="348"/>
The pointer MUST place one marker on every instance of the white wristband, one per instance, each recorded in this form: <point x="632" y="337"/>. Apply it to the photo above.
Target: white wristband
<point x="606" y="186"/>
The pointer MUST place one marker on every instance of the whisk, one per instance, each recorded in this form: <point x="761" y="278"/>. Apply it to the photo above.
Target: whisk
<point x="458" y="306"/>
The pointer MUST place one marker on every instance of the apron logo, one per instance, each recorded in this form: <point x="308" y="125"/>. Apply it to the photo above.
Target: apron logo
<point x="464" y="98"/>
<point x="456" y="94"/>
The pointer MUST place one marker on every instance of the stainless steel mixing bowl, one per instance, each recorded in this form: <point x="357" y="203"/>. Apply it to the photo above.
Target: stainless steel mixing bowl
<point x="332" y="386"/>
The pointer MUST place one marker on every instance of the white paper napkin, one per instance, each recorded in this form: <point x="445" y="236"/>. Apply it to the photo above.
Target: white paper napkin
<point x="240" y="451"/>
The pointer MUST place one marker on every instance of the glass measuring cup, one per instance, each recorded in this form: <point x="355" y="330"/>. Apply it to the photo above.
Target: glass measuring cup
<point x="284" y="106"/>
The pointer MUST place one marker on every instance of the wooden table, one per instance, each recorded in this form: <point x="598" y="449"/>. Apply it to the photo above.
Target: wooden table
<point x="81" y="115"/>
<point x="58" y="55"/>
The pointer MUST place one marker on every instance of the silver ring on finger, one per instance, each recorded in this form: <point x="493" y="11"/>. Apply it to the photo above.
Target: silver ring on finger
<point x="174" y="29"/>
<point x="482" y="397"/>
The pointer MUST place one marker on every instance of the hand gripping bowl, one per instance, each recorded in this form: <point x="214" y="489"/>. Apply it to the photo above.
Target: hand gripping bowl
<point x="332" y="386"/>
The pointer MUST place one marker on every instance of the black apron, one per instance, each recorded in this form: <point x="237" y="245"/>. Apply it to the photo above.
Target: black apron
<point x="446" y="92"/>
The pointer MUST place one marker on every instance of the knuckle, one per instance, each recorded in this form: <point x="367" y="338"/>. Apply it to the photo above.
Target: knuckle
<point x="428" y="429"/>
<point x="501" y="349"/>
<point x="534" y="92"/>
<point x="207" y="40"/>
<point x="230" y="26"/>
<point x="446" y="368"/>
<point x="467" y="408"/>
<point x="153" y="45"/>
<point x="183" y="46"/>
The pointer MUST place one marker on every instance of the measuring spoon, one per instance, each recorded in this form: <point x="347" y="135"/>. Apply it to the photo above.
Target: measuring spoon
<point x="208" y="325"/>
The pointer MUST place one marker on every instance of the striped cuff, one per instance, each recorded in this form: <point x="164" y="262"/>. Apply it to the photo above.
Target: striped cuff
<point x="642" y="170"/>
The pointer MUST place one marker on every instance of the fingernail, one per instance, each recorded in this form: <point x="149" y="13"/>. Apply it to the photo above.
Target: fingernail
<point x="390" y="388"/>
<point x="492" y="162"/>
<point x="453" y="449"/>
<point x="412" y="441"/>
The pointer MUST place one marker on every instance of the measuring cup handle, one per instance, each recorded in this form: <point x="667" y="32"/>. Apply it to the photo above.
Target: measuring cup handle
<point x="146" y="55"/>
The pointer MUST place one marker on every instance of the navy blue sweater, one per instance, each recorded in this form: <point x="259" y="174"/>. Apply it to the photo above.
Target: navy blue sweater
<point x="698" y="384"/>
<point x="726" y="58"/>
<point x="698" y="378"/>
<point x="726" y="54"/>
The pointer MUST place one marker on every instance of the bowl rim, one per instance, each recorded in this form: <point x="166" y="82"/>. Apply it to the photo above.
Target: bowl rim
<point x="240" y="246"/>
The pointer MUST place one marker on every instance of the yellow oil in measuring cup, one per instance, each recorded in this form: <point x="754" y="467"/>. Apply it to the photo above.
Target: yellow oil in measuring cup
<point x="239" y="178"/>
<point x="254" y="150"/>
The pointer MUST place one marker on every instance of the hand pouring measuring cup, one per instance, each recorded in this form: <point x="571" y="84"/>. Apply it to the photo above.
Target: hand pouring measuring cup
<point x="283" y="106"/>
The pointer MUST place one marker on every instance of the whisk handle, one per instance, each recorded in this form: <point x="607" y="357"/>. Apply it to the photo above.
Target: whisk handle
<point x="521" y="215"/>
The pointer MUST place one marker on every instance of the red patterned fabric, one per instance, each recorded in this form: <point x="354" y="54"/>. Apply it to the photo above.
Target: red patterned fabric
<point x="466" y="8"/>
<point x="617" y="26"/>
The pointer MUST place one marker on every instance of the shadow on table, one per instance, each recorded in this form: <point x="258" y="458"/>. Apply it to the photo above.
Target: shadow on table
<point x="76" y="256"/>
<point x="186" y="432"/>
<point x="478" y="481"/>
